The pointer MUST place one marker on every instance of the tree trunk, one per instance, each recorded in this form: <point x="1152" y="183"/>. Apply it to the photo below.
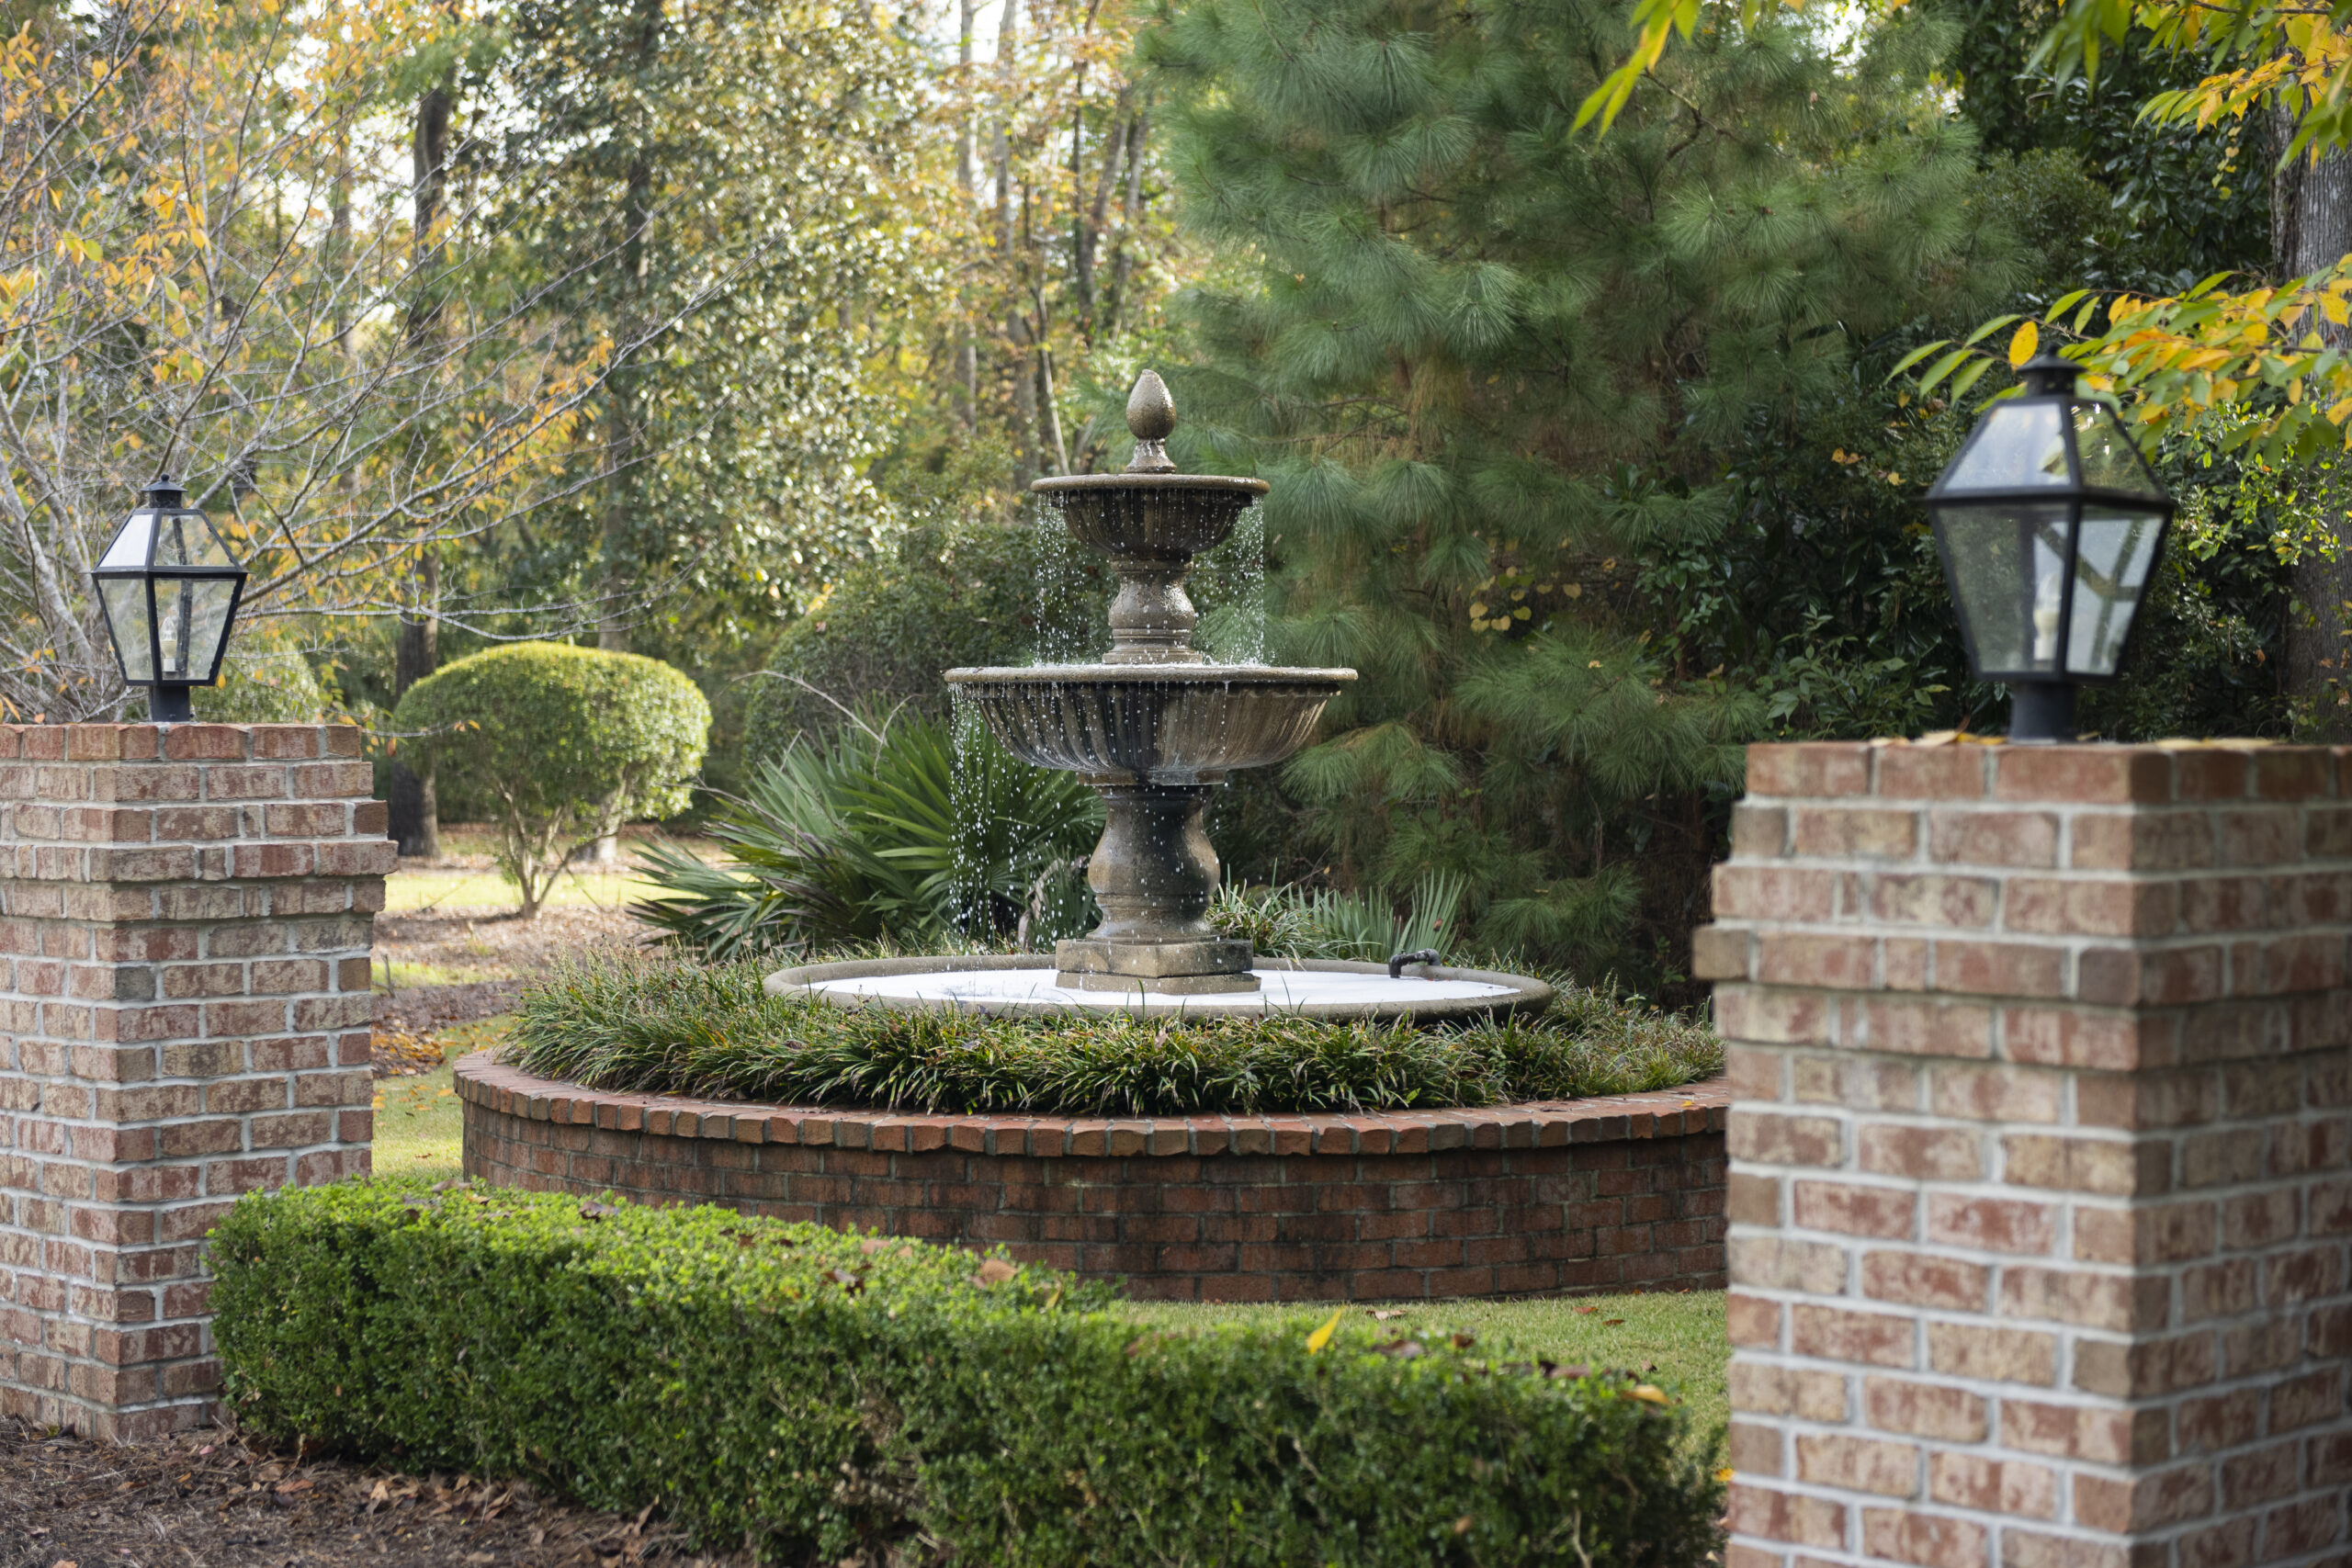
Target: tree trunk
<point x="966" y="394"/>
<point x="1046" y="400"/>
<point x="2311" y="209"/>
<point x="414" y="808"/>
<point x="1092" y="215"/>
<point x="1016" y="327"/>
<point x="622" y="408"/>
<point x="1130" y="207"/>
<point x="413" y="811"/>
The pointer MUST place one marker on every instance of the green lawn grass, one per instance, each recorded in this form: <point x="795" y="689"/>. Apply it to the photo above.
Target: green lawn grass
<point x="417" y="1128"/>
<point x="410" y="891"/>
<point x="1674" y="1338"/>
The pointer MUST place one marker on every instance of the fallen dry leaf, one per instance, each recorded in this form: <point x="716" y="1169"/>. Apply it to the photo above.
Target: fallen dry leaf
<point x="995" y="1271"/>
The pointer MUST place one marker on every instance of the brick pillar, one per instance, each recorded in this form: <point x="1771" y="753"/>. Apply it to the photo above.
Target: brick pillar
<point x="2038" y="1196"/>
<point x="185" y="916"/>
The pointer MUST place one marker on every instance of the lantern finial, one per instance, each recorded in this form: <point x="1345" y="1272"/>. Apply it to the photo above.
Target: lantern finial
<point x="2049" y="376"/>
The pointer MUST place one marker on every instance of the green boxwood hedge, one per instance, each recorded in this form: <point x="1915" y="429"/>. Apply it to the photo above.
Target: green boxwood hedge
<point x="816" y="1395"/>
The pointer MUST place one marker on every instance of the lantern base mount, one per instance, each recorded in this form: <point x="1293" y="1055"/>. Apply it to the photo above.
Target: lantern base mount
<point x="169" y="705"/>
<point x="2042" y="712"/>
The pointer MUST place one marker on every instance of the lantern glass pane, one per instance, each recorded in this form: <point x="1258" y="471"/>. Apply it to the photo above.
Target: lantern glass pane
<point x="2109" y="459"/>
<point x="2116" y="550"/>
<point x="184" y="538"/>
<point x="2020" y="446"/>
<point x="193" y="617"/>
<point x="129" y="546"/>
<point x="2007" y="566"/>
<point x="125" y="603"/>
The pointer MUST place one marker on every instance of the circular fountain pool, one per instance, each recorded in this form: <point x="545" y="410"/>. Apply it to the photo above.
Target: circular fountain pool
<point x="1022" y="984"/>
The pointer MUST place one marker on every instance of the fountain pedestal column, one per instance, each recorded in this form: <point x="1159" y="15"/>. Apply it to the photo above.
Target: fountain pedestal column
<point x="1154" y="873"/>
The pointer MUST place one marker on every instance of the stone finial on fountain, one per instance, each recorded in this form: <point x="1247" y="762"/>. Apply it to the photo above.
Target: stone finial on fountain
<point x="1151" y="416"/>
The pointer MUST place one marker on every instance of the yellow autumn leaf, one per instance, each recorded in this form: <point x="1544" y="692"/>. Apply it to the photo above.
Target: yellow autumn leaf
<point x="2027" y="338"/>
<point x="1648" y="1393"/>
<point x="2332" y="306"/>
<point x="1724" y="1475"/>
<point x="1322" y="1337"/>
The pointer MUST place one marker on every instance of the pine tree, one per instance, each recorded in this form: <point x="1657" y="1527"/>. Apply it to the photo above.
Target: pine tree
<point x="1490" y="362"/>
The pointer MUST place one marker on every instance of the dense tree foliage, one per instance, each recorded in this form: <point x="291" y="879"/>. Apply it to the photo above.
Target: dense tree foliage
<point x="1493" y="367"/>
<point x="732" y="333"/>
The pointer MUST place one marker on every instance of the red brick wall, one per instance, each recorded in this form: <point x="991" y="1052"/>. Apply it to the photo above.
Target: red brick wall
<point x="1587" y="1196"/>
<point x="2042" y="1156"/>
<point x="185" y="916"/>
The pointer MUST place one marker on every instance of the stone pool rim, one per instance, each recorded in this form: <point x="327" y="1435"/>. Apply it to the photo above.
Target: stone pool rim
<point x="1573" y="1197"/>
<point x="1702" y="1107"/>
<point x="1523" y="993"/>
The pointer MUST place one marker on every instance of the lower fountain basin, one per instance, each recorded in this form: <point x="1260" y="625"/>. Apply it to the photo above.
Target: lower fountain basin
<point x="1022" y="985"/>
<point x="1160" y="724"/>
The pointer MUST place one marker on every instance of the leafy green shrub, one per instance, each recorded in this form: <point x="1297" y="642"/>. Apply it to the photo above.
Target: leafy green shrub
<point x="812" y="1395"/>
<point x="637" y="1025"/>
<point x="1290" y="922"/>
<point x="566" y="744"/>
<point x="975" y="592"/>
<point x="886" y="830"/>
<point x="951" y="594"/>
<point x="264" y="680"/>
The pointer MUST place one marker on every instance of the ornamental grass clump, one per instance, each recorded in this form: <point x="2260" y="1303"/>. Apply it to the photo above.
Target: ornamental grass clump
<point x="639" y="1024"/>
<point x="812" y="1396"/>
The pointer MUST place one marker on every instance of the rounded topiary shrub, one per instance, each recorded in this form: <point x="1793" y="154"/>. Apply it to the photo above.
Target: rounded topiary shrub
<point x="561" y="744"/>
<point x="264" y="680"/>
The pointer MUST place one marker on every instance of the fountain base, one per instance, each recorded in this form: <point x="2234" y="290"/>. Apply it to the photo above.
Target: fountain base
<point x="1171" y="968"/>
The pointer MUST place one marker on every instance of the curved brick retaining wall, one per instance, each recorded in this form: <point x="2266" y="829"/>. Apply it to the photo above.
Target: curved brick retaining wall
<point x="1575" y="1196"/>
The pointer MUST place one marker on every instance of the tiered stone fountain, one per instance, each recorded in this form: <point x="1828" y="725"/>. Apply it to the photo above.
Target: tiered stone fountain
<point x="1154" y="729"/>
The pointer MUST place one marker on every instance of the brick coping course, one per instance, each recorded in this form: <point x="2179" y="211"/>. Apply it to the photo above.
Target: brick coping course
<point x="1702" y="1107"/>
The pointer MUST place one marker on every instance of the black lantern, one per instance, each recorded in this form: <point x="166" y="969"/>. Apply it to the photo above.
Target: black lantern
<point x="169" y="587"/>
<point x="2050" y="526"/>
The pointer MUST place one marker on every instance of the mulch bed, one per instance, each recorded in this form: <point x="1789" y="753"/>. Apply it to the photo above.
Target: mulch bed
<point x="420" y="1009"/>
<point x="212" y="1499"/>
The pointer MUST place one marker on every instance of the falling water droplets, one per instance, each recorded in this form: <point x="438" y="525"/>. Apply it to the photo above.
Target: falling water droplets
<point x="1070" y="583"/>
<point x="1246" y="642"/>
<point x="968" y="881"/>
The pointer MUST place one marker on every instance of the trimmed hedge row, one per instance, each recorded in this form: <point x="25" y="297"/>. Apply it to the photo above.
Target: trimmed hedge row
<point x="816" y="1395"/>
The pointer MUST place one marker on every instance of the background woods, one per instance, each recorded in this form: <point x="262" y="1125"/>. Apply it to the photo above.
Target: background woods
<point x="731" y="334"/>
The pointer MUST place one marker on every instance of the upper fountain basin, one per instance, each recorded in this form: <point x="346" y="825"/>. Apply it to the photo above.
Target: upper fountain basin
<point x="1163" y="724"/>
<point x="1161" y="517"/>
